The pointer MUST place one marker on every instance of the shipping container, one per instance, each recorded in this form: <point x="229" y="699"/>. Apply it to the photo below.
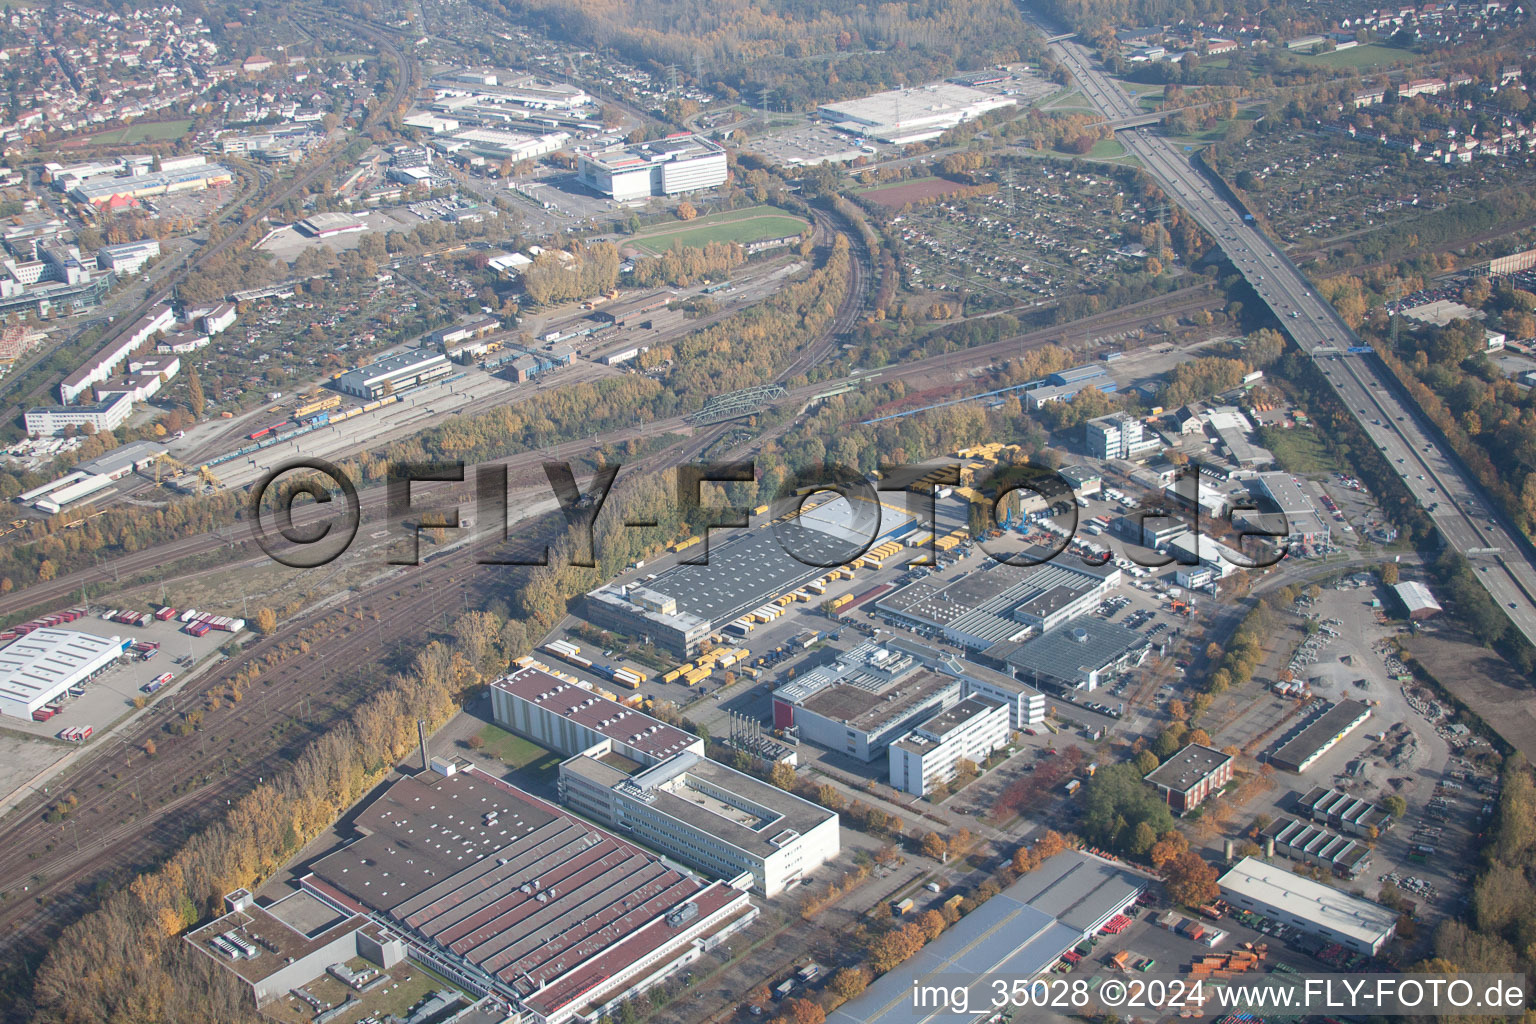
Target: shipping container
<point x="165" y="613"/>
<point x="43" y="714"/>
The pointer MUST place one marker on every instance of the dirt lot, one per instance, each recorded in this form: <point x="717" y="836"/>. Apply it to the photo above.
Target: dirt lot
<point x="897" y="196"/>
<point x="1483" y="681"/>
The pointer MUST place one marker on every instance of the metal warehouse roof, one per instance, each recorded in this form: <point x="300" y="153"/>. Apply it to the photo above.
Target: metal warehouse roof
<point x="1018" y="933"/>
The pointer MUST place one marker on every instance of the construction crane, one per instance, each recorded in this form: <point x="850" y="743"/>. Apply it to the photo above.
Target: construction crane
<point x="165" y="460"/>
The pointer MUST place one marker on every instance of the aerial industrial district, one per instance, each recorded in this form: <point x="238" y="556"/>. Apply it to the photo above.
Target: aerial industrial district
<point x="1241" y="689"/>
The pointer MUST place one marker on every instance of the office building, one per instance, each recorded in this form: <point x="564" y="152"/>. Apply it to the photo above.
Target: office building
<point x="52" y="420"/>
<point x="128" y="258"/>
<point x="1188" y="777"/>
<point x="666" y="167"/>
<point x="704" y="814"/>
<point x="930" y="754"/>
<point x="1118" y="436"/>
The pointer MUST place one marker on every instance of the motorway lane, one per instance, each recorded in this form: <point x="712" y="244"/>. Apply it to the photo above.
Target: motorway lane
<point x="1465" y="516"/>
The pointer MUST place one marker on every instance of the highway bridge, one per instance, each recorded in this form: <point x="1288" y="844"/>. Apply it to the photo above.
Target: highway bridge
<point x="1467" y="518"/>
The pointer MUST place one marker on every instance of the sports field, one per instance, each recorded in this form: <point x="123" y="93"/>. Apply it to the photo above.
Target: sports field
<point x="153" y="131"/>
<point x="749" y="225"/>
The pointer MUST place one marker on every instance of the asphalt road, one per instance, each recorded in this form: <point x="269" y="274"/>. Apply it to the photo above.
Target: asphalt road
<point x="1466" y="517"/>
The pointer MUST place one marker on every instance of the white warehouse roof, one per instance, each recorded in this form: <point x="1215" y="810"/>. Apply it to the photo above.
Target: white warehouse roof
<point x="39" y="666"/>
<point x="1339" y="912"/>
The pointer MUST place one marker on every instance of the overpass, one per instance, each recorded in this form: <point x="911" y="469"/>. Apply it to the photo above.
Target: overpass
<point x="1468" y="520"/>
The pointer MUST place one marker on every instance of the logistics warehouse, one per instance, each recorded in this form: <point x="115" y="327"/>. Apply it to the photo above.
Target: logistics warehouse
<point x="37" y="667"/>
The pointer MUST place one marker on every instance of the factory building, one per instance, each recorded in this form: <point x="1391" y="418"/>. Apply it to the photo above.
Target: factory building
<point x="1005" y="602"/>
<point x="903" y="116"/>
<point x="930" y="754"/>
<point x="570" y="719"/>
<point x="704" y="814"/>
<point x="287" y="944"/>
<point x="395" y="373"/>
<point x="1302" y="523"/>
<point x="866" y="700"/>
<point x="1320" y="734"/>
<point x="505" y="894"/>
<point x="37" y="667"/>
<point x="1317" y="909"/>
<point x="667" y="167"/>
<point x="1187" y="778"/>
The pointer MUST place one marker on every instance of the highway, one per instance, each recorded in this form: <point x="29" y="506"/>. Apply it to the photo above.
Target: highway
<point x="1466" y="517"/>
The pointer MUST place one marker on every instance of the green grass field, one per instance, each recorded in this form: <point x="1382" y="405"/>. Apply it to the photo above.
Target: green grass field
<point x="750" y="225"/>
<point x="1366" y="55"/>
<point x="1298" y="450"/>
<point x="518" y="752"/>
<point x="154" y="131"/>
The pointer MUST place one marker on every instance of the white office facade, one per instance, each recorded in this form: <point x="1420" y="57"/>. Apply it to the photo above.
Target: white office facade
<point x="931" y="753"/>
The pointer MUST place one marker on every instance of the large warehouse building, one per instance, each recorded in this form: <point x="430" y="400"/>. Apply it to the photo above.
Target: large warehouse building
<point x="683" y="605"/>
<point x="37" y="667"/>
<point x="1315" y="908"/>
<point x="1003" y="602"/>
<point x="1319" y="735"/>
<point x="503" y="893"/>
<point x="666" y="167"/>
<point x="1019" y="933"/>
<point x="394" y="373"/>
<point x="901" y="116"/>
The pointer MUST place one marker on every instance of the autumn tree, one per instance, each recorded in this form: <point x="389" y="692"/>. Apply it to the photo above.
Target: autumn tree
<point x="266" y="621"/>
<point x="686" y="210"/>
<point x="849" y="982"/>
<point x="782" y="775"/>
<point x="196" y="400"/>
<point x="933" y="845"/>
<point x="1190" y="880"/>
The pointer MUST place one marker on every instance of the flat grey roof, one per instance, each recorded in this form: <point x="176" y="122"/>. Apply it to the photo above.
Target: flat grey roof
<point x="1319" y="733"/>
<point x="1184" y="770"/>
<point x="865" y="710"/>
<point x="1020" y="932"/>
<point x="1066" y="652"/>
<point x="750" y="569"/>
<point x="675" y="789"/>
